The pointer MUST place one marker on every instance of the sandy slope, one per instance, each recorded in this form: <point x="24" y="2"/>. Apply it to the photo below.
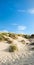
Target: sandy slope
<point x="22" y="57"/>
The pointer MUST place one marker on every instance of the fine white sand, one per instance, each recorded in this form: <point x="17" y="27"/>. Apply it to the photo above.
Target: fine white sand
<point x="22" y="57"/>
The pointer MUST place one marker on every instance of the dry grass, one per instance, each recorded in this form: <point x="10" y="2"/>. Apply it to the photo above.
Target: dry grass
<point x="8" y="40"/>
<point x="26" y="36"/>
<point x="13" y="48"/>
<point x="22" y="41"/>
<point x="12" y="35"/>
<point x="19" y="34"/>
<point x="1" y="37"/>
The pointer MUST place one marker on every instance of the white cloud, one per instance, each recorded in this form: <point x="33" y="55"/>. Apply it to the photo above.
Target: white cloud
<point x="20" y="28"/>
<point x="31" y="11"/>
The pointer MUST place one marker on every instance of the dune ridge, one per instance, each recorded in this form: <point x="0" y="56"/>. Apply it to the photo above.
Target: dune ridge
<point x="24" y="56"/>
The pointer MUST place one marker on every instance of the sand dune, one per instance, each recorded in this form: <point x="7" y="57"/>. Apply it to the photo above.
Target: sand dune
<point x="21" y="57"/>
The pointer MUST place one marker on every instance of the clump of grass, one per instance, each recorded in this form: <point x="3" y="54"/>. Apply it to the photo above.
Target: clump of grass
<point x="22" y="41"/>
<point x="4" y="33"/>
<point x="1" y="37"/>
<point x="12" y="48"/>
<point x="8" y="40"/>
<point x="12" y="35"/>
<point x="26" y="36"/>
<point x="19" y="34"/>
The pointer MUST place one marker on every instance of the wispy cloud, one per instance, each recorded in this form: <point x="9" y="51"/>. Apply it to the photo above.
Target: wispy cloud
<point x="20" y="28"/>
<point x="31" y="11"/>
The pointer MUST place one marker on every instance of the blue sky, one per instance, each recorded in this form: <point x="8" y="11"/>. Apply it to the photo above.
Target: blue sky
<point x="17" y="16"/>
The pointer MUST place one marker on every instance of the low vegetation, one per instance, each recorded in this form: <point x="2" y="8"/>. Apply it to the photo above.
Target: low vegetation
<point x="19" y="34"/>
<point x="8" y="40"/>
<point x="22" y="41"/>
<point x="32" y="36"/>
<point x="12" y="35"/>
<point x="6" y="34"/>
<point x="1" y="37"/>
<point x="26" y="36"/>
<point x="32" y="49"/>
<point x="12" y="48"/>
<point x="31" y="43"/>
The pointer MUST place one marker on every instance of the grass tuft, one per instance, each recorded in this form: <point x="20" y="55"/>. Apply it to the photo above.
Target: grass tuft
<point x="12" y="48"/>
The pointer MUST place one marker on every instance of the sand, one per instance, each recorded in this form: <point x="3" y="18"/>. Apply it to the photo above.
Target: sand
<point x="24" y="56"/>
